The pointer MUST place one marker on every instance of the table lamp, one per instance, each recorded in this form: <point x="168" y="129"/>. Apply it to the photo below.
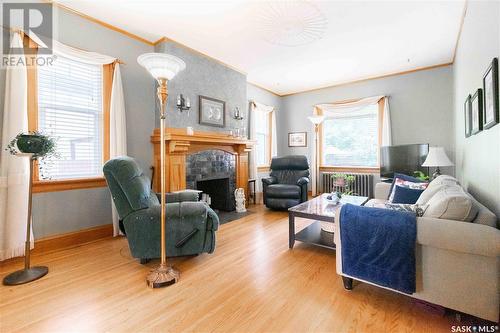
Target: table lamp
<point x="437" y="158"/>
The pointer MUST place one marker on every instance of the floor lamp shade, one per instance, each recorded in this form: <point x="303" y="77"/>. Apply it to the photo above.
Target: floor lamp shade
<point x="163" y="67"/>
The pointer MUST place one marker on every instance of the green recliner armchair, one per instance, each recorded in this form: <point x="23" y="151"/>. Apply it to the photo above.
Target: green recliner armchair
<point x="190" y="224"/>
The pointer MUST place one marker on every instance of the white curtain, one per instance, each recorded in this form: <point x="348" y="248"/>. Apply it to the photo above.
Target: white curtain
<point x="252" y="158"/>
<point x="358" y="108"/>
<point x="266" y="109"/>
<point x="14" y="171"/>
<point x="386" y="124"/>
<point x="117" y="131"/>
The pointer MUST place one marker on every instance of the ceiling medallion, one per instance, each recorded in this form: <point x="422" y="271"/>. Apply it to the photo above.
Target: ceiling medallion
<point x="291" y="23"/>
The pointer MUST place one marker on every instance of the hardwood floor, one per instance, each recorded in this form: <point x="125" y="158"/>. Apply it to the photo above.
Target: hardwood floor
<point x="252" y="283"/>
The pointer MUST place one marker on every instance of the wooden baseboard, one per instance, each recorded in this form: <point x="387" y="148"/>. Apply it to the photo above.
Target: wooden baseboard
<point x="72" y="239"/>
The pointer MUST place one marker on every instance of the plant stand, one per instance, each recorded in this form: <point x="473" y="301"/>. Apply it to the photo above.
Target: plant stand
<point x="29" y="273"/>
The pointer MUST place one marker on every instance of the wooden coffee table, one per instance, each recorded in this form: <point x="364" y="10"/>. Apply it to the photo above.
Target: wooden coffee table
<point x="319" y="210"/>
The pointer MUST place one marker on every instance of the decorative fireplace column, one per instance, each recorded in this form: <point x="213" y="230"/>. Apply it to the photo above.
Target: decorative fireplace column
<point x="179" y="144"/>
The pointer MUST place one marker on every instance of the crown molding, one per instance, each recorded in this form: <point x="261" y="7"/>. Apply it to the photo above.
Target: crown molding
<point x="464" y="13"/>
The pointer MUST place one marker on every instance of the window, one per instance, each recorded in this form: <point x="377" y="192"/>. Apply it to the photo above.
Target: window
<point x="263" y="132"/>
<point x="351" y="139"/>
<point x="70" y="108"/>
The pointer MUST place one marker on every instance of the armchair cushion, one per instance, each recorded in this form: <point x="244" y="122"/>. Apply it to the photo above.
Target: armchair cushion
<point x="283" y="191"/>
<point x="179" y="196"/>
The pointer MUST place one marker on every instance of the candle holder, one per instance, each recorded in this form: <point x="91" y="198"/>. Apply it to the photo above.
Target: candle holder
<point x="237" y="114"/>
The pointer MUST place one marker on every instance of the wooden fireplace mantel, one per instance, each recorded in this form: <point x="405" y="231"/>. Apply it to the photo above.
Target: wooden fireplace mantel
<point x="179" y="144"/>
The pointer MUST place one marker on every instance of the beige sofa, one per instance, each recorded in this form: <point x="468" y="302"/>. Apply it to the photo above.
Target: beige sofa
<point x="458" y="263"/>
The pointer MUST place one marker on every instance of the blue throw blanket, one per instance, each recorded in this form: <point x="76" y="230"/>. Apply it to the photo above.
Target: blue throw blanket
<point x="378" y="246"/>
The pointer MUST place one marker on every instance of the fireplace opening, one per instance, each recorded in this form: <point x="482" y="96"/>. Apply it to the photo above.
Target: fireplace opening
<point x="219" y="191"/>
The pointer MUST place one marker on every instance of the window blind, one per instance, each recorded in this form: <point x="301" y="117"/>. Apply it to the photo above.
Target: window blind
<point x="70" y="109"/>
<point x="352" y="140"/>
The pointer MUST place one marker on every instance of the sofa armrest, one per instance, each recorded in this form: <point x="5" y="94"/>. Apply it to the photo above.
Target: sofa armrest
<point x="464" y="237"/>
<point x="179" y="196"/>
<point x="302" y="181"/>
<point x="269" y="181"/>
<point x="212" y="219"/>
<point x="382" y="190"/>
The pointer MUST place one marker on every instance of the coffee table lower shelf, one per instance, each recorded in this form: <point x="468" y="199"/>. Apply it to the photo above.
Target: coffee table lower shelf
<point x="312" y="235"/>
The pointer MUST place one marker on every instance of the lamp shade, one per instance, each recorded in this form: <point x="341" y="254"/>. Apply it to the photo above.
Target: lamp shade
<point x="316" y="119"/>
<point x="161" y="65"/>
<point x="436" y="158"/>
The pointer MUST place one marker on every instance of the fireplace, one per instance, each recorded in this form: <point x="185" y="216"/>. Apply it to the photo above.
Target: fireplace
<point x="213" y="172"/>
<point x="219" y="191"/>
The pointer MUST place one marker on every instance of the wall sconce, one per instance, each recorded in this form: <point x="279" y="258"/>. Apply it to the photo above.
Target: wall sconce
<point x="237" y="114"/>
<point x="183" y="104"/>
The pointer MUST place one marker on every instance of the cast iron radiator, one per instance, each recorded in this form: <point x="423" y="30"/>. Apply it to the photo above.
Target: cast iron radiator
<point x="363" y="183"/>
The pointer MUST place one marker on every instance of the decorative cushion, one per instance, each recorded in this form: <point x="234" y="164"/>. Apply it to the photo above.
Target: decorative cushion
<point x="452" y="203"/>
<point x="404" y="178"/>
<point x="377" y="203"/>
<point x="418" y="210"/>
<point x="406" y="195"/>
<point x="435" y="186"/>
<point x="406" y="183"/>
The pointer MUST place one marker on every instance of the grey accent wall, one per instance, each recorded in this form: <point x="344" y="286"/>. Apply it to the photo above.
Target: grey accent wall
<point x="60" y="212"/>
<point x="477" y="157"/>
<point x="206" y="77"/>
<point x="421" y="106"/>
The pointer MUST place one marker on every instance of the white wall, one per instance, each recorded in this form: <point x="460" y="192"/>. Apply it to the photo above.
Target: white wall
<point x="477" y="157"/>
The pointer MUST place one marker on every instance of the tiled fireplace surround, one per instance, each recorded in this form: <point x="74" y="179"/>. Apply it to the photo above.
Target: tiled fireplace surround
<point x="211" y="164"/>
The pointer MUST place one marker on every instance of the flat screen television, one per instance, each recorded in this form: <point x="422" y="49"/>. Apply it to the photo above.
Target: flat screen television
<point x="403" y="159"/>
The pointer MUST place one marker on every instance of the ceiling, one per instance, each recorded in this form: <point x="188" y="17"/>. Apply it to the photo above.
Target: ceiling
<point x="356" y="40"/>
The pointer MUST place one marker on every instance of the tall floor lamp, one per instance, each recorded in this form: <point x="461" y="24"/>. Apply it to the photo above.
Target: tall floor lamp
<point x="163" y="67"/>
<point x="316" y="120"/>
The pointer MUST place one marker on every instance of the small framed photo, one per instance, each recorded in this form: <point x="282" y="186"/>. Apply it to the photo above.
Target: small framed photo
<point x="212" y="112"/>
<point x="477" y="112"/>
<point x="297" y="139"/>
<point x="490" y="86"/>
<point x="467" y="116"/>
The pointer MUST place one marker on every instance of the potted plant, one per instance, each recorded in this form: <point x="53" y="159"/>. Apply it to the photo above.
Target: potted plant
<point x="344" y="182"/>
<point x="43" y="147"/>
<point x="420" y="175"/>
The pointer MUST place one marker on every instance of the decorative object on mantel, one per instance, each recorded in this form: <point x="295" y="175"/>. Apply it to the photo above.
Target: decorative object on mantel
<point x="491" y="113"/>
<point x="477" y="111"/>
<point x="212" y="112"/>
<point x="183" y="104"/>
<point x="297" y="139"/>
<point x="239" y="195"/>
<point x="237" y="114"/>
<point x="163" y="67"/>
<point x="34" y="146"/>
<point x="468" y="116"/>
<point x="437" y="157"/>
<point x="189" y="130"/>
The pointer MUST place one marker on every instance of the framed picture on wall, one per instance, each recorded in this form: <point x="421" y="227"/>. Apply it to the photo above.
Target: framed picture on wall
<point x="212" y="112"/>
<point x="490" y="87"/>
<point x="477" y="111"/>
<point x="467" y="116"/>
<point x="297" y="139"/>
